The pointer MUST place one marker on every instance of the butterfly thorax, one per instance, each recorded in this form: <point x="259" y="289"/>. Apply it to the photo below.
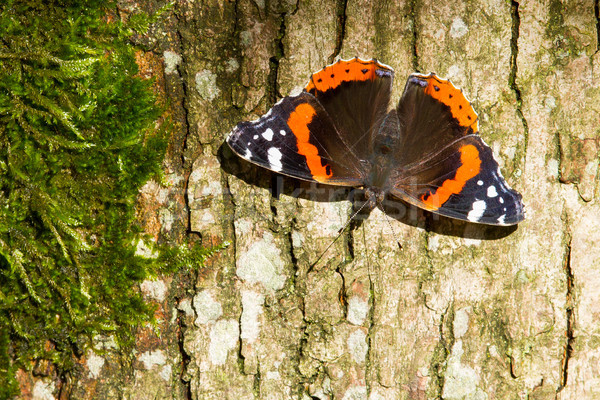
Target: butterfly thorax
<point x="382" y="160"/>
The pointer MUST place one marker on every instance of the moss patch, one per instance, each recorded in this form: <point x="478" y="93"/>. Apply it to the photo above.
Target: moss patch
<point x="76" y="144"/>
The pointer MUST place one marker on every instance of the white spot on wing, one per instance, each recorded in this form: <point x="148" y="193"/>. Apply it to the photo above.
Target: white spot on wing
<point x="491" y="191"/>
<point x="268" y="134"/>
<point x="248" y="154"/>
<point x="501" y="200"/>
<point x="476" y="213"/>
<point x="282" y="132"/>
<point x="255" y="137"/>
<point x="480" y="182"/>
<point x="501" y="219"/>
<point x="274" y="158"/>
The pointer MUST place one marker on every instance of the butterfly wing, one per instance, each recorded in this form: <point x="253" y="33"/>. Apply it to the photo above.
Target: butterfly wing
<point x="356" y="94"/>
<point x="445" y="167"/>
<point x="298" y="138"/>
<point x="323" y="134"/>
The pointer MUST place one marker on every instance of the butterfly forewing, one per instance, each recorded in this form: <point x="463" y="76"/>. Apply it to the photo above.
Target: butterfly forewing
<point x="428" y="124"/>
<point x="356" y="94"/>
<point x="298" y="138"/>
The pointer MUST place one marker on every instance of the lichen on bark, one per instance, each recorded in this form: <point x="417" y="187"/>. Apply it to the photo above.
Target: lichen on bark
<point x="460" y="311"/>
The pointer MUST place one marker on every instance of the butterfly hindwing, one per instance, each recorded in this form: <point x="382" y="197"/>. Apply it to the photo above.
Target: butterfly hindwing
<point x="297" y="138"/>
<point x="486" y="197"/>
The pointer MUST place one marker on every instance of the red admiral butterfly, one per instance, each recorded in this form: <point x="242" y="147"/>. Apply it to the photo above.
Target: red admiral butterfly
<point x="426" y="151"/>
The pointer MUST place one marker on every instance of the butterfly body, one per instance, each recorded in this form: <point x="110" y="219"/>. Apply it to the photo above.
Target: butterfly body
<point x="425" y="151"/>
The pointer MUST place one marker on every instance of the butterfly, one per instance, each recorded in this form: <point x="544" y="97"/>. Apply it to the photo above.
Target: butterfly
<point x="426" y="151"/>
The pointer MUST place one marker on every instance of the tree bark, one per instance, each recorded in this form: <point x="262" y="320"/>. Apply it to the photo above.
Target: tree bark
<point x="461" y="311"/>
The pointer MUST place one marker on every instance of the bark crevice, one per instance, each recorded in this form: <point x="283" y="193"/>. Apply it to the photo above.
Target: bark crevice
<point x="272" y="82"/>
<point x="569" y="306"/>
<point x="181" y="71"/>
<point x="415" y="35"/>
<point x="597" y="15"/>
<point x="185" y="359"/>
<point x="512" y="77"/>
<point x="186" y="164"/>
<point x="343" y="295"/>
<point x="443" y="349"/>
<point x="370" y="326"/>
<point x="342" y="6"/>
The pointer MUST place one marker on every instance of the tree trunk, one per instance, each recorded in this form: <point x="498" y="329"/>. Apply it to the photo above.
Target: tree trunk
<point x="461" y="311"/>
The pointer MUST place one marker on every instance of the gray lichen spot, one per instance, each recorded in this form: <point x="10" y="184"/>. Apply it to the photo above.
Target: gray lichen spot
<point x="252" y="307"/>
<point x="232" y="65"/>
<point x="223" y="338"/>
<point x="94" y="364"/>
<point x="453" y="72"/>
<point x="105" y="342"/>
<point x="172" y="60"/>
<point x="202" y="219"/>
<point x="357" y="344"/>
<point x="262" y="263"/>
<point x="207" y="309"/>
<point x="206" y="84"/>
<point x="355" y="393"/>
<point x="246" y="38"/>
<point x="433" y="242"/>
<point x="243" y="226"/>
<point x="156" y="290"/>
<point x="550" y="103"/>
<point x="461" y="323"/>
<point x="166" y="372"/>
<point x="185" y="306"/>
<point x="205" y="193"/>
<point x="376" y="395"/>
<point x="144" y="250"/>
<point x="273" y="375"/>
<point x="357" y="310"/>
<point x="297" y="239"/>
<point x="204" y="183"/>
<point x="458" y="28"/>
<point x="43" y="390"/>
<point x="590" y="168"/>
<point x="461" y="380"/>
<point x="166" y="219"/>
<point x="152" y="358"/>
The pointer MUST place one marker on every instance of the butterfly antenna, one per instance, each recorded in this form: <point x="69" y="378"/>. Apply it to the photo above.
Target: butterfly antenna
<point x="387" y="218"/>
<point x="342" y="229"/>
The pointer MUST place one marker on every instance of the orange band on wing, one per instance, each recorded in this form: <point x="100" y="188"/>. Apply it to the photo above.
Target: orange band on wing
<point x="469" y="157"/>
<point x="344" y="71"/>
<point x="460" y="107"/>
<point x="298" y="122"/>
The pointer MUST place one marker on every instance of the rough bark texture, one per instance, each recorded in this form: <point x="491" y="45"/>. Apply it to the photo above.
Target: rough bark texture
<point x="461" y="311"/>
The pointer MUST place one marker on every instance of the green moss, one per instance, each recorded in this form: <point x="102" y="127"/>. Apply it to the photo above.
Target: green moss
<point x="76" y="144"/>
